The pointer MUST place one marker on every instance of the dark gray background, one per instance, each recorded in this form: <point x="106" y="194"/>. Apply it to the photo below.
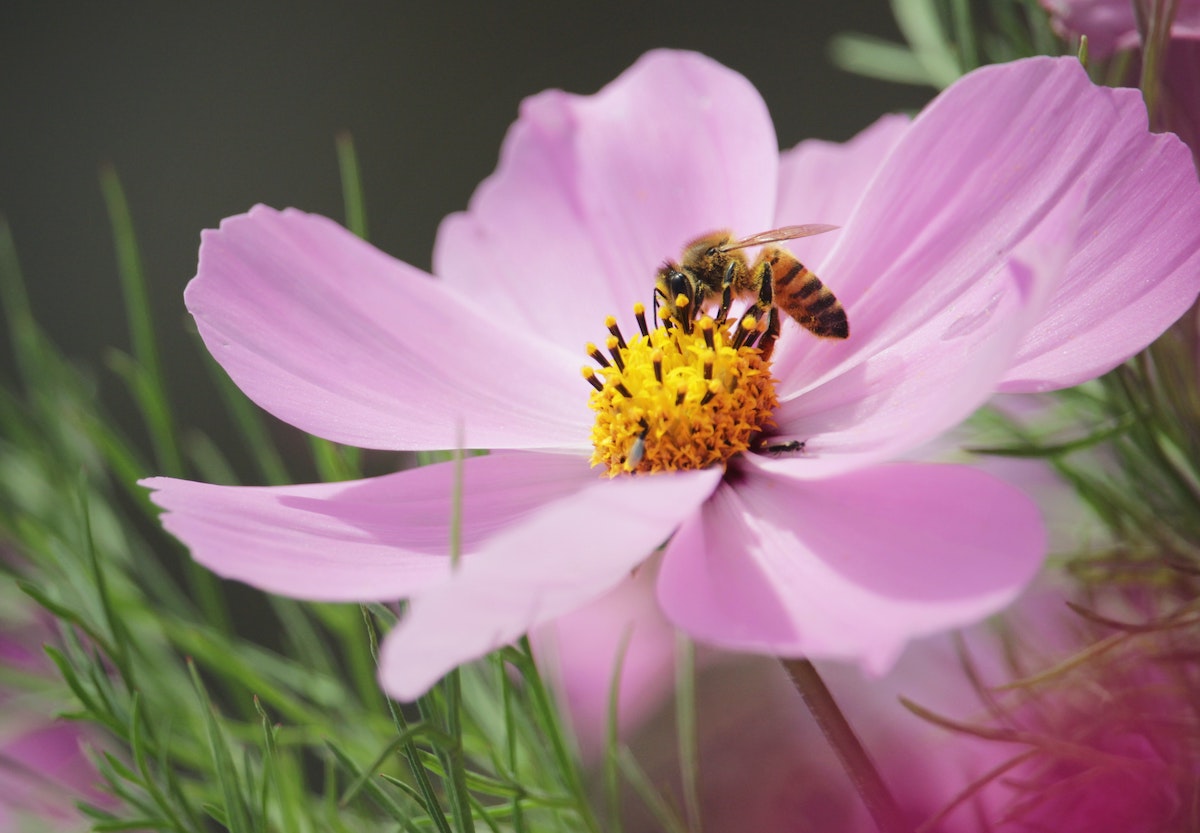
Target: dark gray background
<point x="207" y="108"/>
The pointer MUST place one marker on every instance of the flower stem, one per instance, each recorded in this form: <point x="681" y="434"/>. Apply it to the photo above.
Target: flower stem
<point x="845" y="743"/>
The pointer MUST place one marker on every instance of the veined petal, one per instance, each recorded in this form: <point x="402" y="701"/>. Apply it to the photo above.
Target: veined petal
<point x="934" y="377"/>
<point x="557" y="559"/>
<point x="339" y="339"/>
<point x="378" y="539"/>
<point x="852" y="566"/>
<point x="594" y="192"/>
<point x="975" y="173"/>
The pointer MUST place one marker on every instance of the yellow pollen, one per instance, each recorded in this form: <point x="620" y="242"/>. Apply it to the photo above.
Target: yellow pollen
<point x="675" y="399"/>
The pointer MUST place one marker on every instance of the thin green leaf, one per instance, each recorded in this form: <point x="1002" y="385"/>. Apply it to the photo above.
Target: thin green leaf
<point x="650" y="796"/>
<point x="686" y="729"/>
<point x="382" y="799"/>
<point x="433" y="807"/>
<point x="234" y="814"/>
<point x="149" y="391"/>
<point x="922" y="27"/>
<point x="405" y="737"/>
<point x="874" y="57"/>
<point x="352" y="190"/>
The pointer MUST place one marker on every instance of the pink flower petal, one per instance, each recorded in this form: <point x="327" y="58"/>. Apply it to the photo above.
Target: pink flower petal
<point x="932" y="378"/>
<point x="379" y="539"/>
<point x="569" y="553"/>
<point x="593" y="192"/>
<point x="849" y="567"/>
<point x="822" y="182"/>
<point x="975" y="173"/>
<point x="342" y="341"/>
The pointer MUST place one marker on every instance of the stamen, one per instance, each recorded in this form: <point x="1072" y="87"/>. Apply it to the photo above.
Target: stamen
<point x="611" y="323"/>
<point x="612" y="343"/>
<point x="706" y="328"/>
<point x="745" y="327"/>
<point x="639" y="312"/>
<point x="712" y="391"/>
<point x="621" y="389"/>
<point x="685" y="317"/>
<point x="597" y="356"/>
<point x="656" y="359"/>
<point x="590" y="375"/>
<point x="708" y="370"/>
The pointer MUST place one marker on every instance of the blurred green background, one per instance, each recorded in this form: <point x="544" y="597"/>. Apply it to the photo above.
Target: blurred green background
<point x="207" y="108"/>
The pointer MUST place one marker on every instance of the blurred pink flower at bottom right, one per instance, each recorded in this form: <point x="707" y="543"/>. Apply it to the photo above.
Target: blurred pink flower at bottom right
<point x="1108" y="744"/>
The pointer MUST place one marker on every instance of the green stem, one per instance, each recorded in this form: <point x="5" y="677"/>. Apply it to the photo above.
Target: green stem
<point x="1155" y="30"/>
<point x="867" y="781"/>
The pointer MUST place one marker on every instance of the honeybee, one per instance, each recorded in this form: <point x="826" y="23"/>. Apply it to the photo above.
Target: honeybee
<point x="714" y="266"/>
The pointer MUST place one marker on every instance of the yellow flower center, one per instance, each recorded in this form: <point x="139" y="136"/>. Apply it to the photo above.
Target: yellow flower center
<point x="689" y="394"/>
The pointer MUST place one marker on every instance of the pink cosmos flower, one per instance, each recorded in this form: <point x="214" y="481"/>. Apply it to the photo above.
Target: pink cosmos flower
<point x="1025" y="232"/>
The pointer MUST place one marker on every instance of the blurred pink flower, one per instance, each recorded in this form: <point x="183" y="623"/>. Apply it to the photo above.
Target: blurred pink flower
<point x="1103" y="735"/>
<point x="1025" y="232"/>
<point x="1111" y="26"/>
<point x="1107" y="743"/>
<point x="43" y="768"/>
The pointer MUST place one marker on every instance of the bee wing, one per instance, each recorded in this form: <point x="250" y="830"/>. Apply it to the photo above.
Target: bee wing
<point x="776" y="235"/>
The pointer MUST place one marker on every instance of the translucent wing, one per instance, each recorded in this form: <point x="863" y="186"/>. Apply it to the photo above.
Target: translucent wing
<point x="776" y="235"/>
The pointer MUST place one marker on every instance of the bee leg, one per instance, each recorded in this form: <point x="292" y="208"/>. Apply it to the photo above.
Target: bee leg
<point x="765" y="306"/>
<point x="766" y="334"/>
<point x="726" y="293"/>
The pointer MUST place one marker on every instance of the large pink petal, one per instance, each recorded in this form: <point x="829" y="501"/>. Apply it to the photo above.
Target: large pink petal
<point x="341" y="340"/>
<point x="569" y="553"/>
<point x="931" y="379"/>
<point x="982" y="167"/>
<point x="822" y="182"/>
<point x="849" y="567"/>
<point x="594" y="192"/>
<point x="382" y="539"/>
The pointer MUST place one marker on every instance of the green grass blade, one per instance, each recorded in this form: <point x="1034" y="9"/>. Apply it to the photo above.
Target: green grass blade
<point x="149" y="390"/>
<point x="686" y="730"/>
<point x="352" y="190"/>
<point x="234" y="813"/>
